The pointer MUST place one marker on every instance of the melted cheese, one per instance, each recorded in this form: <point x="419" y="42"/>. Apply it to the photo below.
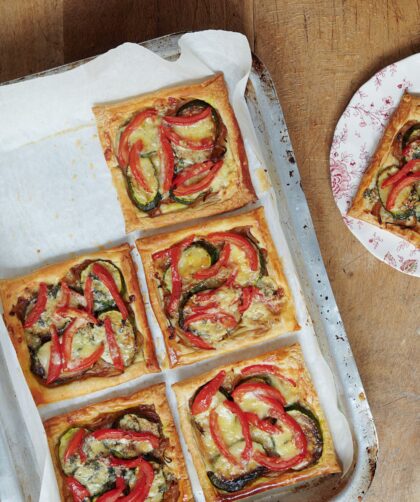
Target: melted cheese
<point x="94" y="476"/>
<point x="158" y="488"/>
<point x="245" y="276"/>
<point x="205" y="128"/>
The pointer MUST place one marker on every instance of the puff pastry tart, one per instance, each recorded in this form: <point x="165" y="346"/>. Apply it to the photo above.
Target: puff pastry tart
<point x="389" y="193"/>
<point x="216" y="287"/>
<point x="175" y="155"/>
<point x="255" y="425"/>
<point x="75" y="323"/>
<point x="125" y="449"/>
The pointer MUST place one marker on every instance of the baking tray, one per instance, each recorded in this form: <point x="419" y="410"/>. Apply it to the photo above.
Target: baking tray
<point x="18" y="473"/>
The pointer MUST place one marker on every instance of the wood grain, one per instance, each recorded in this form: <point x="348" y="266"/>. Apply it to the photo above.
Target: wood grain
<point x="319" y="52"/>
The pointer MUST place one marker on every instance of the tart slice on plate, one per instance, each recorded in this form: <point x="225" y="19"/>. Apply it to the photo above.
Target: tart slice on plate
<point x="217" y="287"/>
<point x="175" y="154"/>
<point x="79" y="326"/>
<point x="124" y="449"/>
<point x="389" y="192"/>
<point x="255" y="425"/>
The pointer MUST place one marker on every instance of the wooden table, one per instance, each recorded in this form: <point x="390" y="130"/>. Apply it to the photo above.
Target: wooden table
<point x="318" y="52"/>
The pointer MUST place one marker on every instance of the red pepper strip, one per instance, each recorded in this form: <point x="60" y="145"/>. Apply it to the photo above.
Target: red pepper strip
<point x="264" y="424"/>
<point x="113" y="495"/>
<point x="119" y="434"/>
<point x="87" y="362"/>
<point x="221" y="262"/>
<point x="259" y="388"/>
<point x="123" y="147"/>
<point x="65" y="294"/>
<point x="88" y="293"/>
<point x="396" y="189"/>
<point x="217" y="438"/>
<point x="202" y="144"/>
<point x="79" y="492"/>
<point x="277" y="463"/>
<point x="197" y="341"/>
<point x="144" y="481"/>
<point x="401" y="173"/>
<point x="75" y="446"/>
<point x="234" y="408"/>
<point x="205" y="296"/>
<point x="39" y="307"/>
<point x="114" y="349"/>
<point x="56" y="359"/>
<point x="258" y="369"/>
<point x="199" y="309"/>
<point x="205" y="395"/>
<point x="73" y="312"/>
<point x="188" y="119"/>
<point x="192" y="171"/>
<point x="134" y="161"/>
<point x="167" y="161"/>
<point x="226" y="319"/>
<point x="231" y="279"/>
<point x="247" y="296"/>
<point x="165" y="253"/>
<point x="200" y="185"/>
<point x="241" y="242"/>
<point x="104" y="276"/>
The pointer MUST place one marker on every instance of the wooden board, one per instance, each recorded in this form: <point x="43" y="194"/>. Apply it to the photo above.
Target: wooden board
<point x="318" y="52"/>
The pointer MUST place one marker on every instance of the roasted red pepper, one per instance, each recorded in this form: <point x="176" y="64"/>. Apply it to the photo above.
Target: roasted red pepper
<point x="203" y="184"/>
<point x="104" y="276"/>
<point x="201" y="144"/>
<point x="391" y="180"/>
<point x="79" y="492"/>
<point x="134" y="161"/>
<point x="192" y="171"/>
<point x="144" y="481"/>
<point x="73" y="312"/>
<point x="260" y="369"/>
<point x="263" y="424"/>
<point x="119" y="434"/>
<point x="166" y="160"/>
<point x="226" y="319"/>
<point x="236" y="410"/>
<point x="241" y="242"/>
<point x="197" y="341"/>
<point x="188" y="119"/>
<point x="214" y="269"/>
<point x="216" y="435"/>
<point x="166" y="253"/>
<point x="55" y="365"/>
<point x="87" y="362"/>
<point x="75" y="446"/>
<point x="115" y="494"/>
<point x="39" y="307"/>
<point x="88" y="293"/>
<point x="123" y="147"/>
<point x="114" y="349"/>
<point x="247" y="296"/>
<point x="396" y="189"/>
<point x="205" y="395"/>
<point x="260" y="389"/>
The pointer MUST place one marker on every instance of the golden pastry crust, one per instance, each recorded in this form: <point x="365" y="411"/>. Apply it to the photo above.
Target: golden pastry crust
<point x="290" y="361"/>
<point x="12" y="289"/>
<point x="180" y="354"/>
<point x="213" y="90"/>
<point x="408" y="109"/>
<point x="87" y="417"/>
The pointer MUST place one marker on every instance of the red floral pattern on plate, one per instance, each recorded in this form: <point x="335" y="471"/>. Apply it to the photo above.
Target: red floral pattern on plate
<point x="355" y="139"/>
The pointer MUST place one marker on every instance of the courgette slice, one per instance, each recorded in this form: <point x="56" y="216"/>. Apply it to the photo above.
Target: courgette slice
<point x="144" y="200"/>
<point x="412" y="134"/>
<point x="187" y="199"/>
<point x="102" y="298"/>
<point x="399" y="213"/>
<point x="235" y="484"/>
<point x="412" y="150"/>
<point x="197" y="256"/>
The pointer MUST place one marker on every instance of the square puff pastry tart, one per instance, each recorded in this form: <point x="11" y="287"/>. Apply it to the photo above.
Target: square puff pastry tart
<point x="255" y="425"/>
<point x="79" y="326"/>
<point x="389" y="193"/>
<point x="175" y="154"/>
<point x="110" y="445"/>
<point x="217" y="287"/>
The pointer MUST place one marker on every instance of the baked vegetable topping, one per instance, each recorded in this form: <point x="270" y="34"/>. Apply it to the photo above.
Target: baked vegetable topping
<point x="120" y="460"/>
<point x="247" y="428"/>
<point x="172" y="155"/>
<point x="216" y="285"/>
<point x="80" y="327"/>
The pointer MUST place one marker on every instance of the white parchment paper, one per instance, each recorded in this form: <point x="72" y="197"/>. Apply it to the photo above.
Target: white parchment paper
<point x="57" y="199"/>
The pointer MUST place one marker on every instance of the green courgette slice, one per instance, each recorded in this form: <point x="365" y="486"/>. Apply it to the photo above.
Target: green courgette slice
<point x="412" y="134"/>
<point x="144" y="200"/>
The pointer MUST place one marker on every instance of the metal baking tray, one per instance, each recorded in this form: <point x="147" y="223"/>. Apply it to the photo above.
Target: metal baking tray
<point x="18" y="473"/>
